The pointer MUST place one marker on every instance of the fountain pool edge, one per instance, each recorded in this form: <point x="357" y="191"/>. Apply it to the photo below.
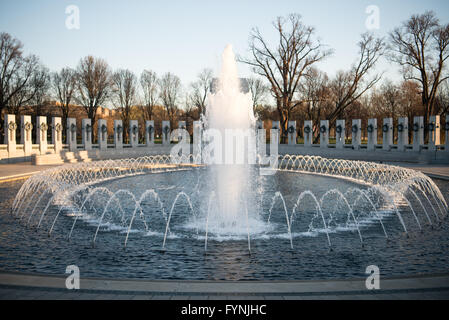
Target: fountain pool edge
<point x="117" y="276"/>
<point x="431" y="282"/>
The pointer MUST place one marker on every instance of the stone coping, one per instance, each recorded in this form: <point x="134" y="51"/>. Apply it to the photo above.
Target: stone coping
<point x="15" y="177"/>
<point x="433" y="282"/>
<point x="435" y="172"/>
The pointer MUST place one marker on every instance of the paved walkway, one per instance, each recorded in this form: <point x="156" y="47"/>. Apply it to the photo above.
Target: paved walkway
<point x="25" y="286"/>
<point x="438" y="171"/>
<point x="13" y="171"/>
<point x="21" y="293"/>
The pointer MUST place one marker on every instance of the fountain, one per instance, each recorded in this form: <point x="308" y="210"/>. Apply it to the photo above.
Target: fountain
<point x="229" y="115"/>
<point x="167" y="212"/>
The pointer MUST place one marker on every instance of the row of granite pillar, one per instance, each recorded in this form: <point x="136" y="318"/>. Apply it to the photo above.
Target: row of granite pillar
<point x="102" y="136"/>
<point x="42" y="128"/>
<point x="387" y="129"/>
<point x="434" y="127"/>
<point x="26" y="129"/>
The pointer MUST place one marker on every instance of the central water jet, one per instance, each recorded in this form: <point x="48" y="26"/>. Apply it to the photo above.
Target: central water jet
<point x="230" y="116"/>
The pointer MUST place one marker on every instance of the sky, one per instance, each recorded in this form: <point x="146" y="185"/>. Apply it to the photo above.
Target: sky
<point x="184" y="37"/>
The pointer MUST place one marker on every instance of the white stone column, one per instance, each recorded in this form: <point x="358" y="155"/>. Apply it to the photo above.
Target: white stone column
<point x="261" y="133"/>
<point x="372" y="134"/>
<point x="434" y="132"/>
<point x="149" y="133"/>
<point x="102" y="135"/>
<point x="10" y="134"/>
<point x="118" y="134"/>
<point x="291" y="130"/>
<point x="86" y="134"/>
<point x="402" y="133"/>
<point x="308" y="133"/>
<point x="41" y="133"/>
<point x="197" y="139"/>
<point x="26" y="134"/>
<point x="340" y="134"/>
<point x="324" y="133"/>
<point x="166" y="132"/>
<point x="274" y="132"/>
<point x="56" y="134"/>
<point x="387" y="134"/>
<point x="71" y="134"/>
<point x="261" y="138"/>
<point x="356" y="133"/>
<point x="134" y="133"/>
<point x="446" y="134"/>
<point x="183" y="135"/>
<point x="418" y="133"/>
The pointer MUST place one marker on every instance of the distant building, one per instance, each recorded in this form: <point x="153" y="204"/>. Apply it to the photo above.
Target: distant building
<point x="244" y="85"/>
<point x="105" y="112"/>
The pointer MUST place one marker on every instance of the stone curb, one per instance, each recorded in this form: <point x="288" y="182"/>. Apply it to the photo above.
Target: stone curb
<point x="353" y="286"/>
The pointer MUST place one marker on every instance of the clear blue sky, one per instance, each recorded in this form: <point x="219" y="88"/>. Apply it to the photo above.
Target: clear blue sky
<point x="185" y="36"/>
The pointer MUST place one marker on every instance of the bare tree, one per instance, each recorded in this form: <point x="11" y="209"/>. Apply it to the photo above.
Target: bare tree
<point x="150" y="86"/>
<point x="388" y="99"/>
<point x="20" y="99"/>
<point x="64" y="84"/>
<point x="410" y="102"/>
<point x="124" y="95"/>
<point x="285" y="65"/>
<point x="34" y="92"/>
<point x="348" y="86"/>
<point x="94" y="85"/>
<point x="258" y="91"/>
<point x="420" y="46"/>
<point x="16" y="73"/>
<point x="190" y="113"/>
<point x="200" y="89"/>
<point x="442" y="99"/>
<point x="315" y="96"/>
<point x="40" y="86"/>
<point x="170" y="89"/>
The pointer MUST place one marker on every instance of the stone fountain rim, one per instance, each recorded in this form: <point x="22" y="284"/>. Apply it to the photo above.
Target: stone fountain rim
<point x="407" y="283"/>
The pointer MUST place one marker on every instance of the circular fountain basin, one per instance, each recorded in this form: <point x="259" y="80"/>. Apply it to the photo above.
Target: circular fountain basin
<point x="300" y="223"/>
